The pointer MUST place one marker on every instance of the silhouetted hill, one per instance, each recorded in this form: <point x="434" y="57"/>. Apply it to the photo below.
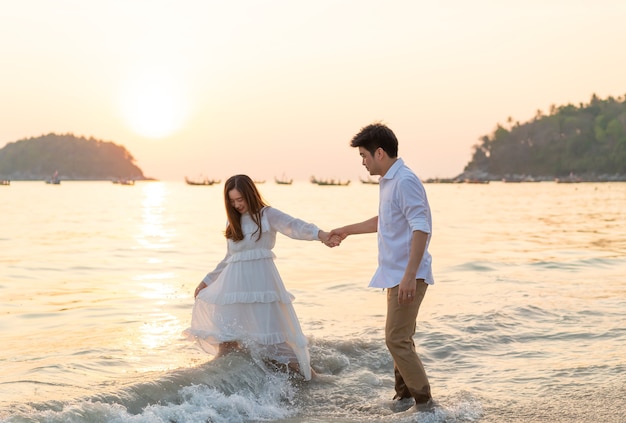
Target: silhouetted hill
<point x="586" y="142"/>
<point x="74" y="158"/>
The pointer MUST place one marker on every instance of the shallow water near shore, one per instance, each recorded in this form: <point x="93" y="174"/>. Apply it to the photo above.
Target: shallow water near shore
<point x="525" y="322"/>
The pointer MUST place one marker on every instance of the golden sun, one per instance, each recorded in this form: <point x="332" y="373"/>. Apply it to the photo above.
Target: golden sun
<point x="154" y="103"/>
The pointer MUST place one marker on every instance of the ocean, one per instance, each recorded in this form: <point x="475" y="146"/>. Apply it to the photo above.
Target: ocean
<point x="525" y="323"/>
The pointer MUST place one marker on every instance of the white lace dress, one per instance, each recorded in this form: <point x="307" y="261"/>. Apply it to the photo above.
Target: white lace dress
<point x="245" y="299"/>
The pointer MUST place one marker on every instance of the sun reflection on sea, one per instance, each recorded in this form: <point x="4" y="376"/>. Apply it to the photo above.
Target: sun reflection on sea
<point x="160" y="332"/>
<point x="154" y="283"/>
<point x="154" y="234"/>
<point x="155" y="290"/>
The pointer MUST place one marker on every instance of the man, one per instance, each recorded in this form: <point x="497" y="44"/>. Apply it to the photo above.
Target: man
<point x="404" y="227"/>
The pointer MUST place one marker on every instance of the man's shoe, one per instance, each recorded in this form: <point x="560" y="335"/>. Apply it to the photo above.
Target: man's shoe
<point x="402" y="404"/>
<point x="426" y="406"/>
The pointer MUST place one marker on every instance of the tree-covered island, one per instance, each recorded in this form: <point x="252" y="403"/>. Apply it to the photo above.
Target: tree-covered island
<point x="69" y="157"/>
<point x="578" y="143"/>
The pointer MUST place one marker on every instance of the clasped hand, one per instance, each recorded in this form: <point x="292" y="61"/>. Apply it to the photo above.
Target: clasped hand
<point x="331" y="239"/>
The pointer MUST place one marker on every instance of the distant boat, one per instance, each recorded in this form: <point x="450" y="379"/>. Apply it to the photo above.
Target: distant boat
<point x="441" y="181"/>
<point x="204" y="181"/>
<point x="283" y="181"/>
<point x="259" y="182"/>
<point x="124" y="181"/>
<point x="5" y="182"/>
<point x="369" y="181"/>
<point x="332" y="182"/>
<point x="54" y="180"/>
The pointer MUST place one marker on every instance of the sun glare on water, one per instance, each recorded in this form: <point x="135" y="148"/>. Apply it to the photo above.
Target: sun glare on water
<point x="154" y="102"/>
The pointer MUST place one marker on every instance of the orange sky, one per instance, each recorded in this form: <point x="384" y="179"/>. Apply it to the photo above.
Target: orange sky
<point x="279" y="87"/>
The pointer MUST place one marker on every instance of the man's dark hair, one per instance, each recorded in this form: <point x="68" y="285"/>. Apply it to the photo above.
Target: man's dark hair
<point x="374" y="136"/>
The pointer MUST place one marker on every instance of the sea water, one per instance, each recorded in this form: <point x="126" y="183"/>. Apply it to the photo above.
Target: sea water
<point x="525" y="323"/>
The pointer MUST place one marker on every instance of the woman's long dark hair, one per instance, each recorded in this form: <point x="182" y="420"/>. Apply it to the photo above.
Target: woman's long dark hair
<point x="250" y="193"/>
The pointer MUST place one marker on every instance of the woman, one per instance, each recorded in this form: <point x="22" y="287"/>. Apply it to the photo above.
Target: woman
<point x="243" y="303"/>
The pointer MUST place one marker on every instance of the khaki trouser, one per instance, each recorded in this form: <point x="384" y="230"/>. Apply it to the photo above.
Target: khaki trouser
<point x="411" y="379"/>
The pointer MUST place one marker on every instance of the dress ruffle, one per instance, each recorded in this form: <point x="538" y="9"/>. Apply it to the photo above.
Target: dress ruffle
<point x="251" y="278"/>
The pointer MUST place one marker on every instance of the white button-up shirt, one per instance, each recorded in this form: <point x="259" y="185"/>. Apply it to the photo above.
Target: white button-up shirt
<point x="403" y="208"/>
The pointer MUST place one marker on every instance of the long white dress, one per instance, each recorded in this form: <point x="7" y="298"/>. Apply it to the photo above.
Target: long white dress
<point x="245" y="299"/>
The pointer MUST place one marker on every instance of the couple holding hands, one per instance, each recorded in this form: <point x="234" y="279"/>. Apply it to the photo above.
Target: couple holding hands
<point x="243" y="303"/>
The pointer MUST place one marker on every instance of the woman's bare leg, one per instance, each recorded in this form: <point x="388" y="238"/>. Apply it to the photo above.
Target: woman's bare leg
<point x="227" y="348"/>
<point x="295" y="368"/>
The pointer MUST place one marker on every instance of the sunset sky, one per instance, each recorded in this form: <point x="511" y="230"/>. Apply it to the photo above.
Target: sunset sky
<point x="279" y="87"/>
